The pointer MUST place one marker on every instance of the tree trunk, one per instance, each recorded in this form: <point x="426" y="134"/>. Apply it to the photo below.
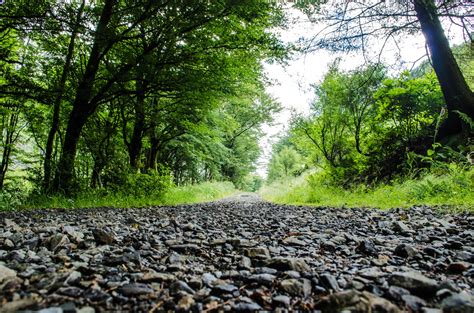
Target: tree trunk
<point x="135" y="147"/>
<point x="82" y="107"/>
<point x="7" y="148"/>
<point x="457" y="93"/>
<point x="57" y="103"/>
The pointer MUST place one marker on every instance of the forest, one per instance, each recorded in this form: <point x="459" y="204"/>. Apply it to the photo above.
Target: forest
<point x="134" y="136"/>
<point x="132" y="99"/>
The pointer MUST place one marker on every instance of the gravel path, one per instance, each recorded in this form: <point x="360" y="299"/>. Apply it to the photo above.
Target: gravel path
<point x="238" y="254"/>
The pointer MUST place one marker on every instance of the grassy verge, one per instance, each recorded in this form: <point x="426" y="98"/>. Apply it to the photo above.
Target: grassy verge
<point x="454" y="191"/>
<point x="208" y="191"/>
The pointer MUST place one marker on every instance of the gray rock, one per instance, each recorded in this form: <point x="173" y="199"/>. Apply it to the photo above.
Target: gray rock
<point x="6" y="273"/>
<point x="405" y="251"/>
<point x="178" y="286"/>
<point x="367" y="247"/>
<point x="264" y="279"/>
<point x="186" y="248"/>
<point x="226" y="289"/>
<point x="132" y="290"/>
<point x="103" y="236"/>
<point x="247" y="307"/>
<point x="86" y="309"/>
<point x="413" y="303"/>
<point x="293" y="241"/>
<point x="415" y="282"/>
<point x="458" y="303"/>
<point x="282" y="299"/>
<point x="355" y="301"/>
<point x="329" y="282"/>
<point x="208" y="279"/>
<point x="458" y="267"/>
<point x="257" y="252"/>
<point x="288" y="264"/>
<point x="73" y="278"/>
<point x="297" y="287"/>
<point x="401" y="227"/>
<point x="245" y="263"/>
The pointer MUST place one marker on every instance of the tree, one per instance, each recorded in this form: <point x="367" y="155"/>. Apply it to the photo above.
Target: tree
<point x="162" y="67"/>
<point x="352" y="24"/>
<point x="284" y="163"/>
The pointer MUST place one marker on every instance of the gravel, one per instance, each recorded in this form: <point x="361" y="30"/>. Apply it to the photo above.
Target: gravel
<point x="241" y="254"/>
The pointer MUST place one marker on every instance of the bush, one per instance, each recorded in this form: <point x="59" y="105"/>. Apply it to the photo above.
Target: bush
<point x="151" y="184"/>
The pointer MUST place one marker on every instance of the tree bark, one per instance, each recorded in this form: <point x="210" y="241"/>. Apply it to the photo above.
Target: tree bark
<point x="135" y="146"/>
<point x="8" y="145"/>
<point x="456" y="92"/>
<point x="57" y="103"/>
<point x="82" y="107"/>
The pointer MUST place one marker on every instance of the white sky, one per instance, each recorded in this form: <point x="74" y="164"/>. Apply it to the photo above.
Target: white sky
<point x="292" y="83"/>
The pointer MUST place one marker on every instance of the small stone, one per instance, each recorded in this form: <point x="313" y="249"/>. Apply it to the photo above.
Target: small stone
<point x="186" y="248"/>
<point x="282" y="299"/>
<point x="178" y="286"/>
<point x="56" y="242"/>
<point x="371" y="273"/>
<point x="401" y="227"/>
<point x="458" y="303"/>
<point x="288" y="264"/>
<point x="293" y="241"/>
<point x="247" y="307"/>
<point x="396" y="293"/>
<point x="8" y="244"/>
<point x="208" y="279"/>
<point x="415" y="282"/>
<point x="6" y="273"/>
<point x="152" y="276"/>
<point x="257" y="252"/>
<point x="457" y="267"/>
<point x="51" y="310"/>
<point x="69" y="307"/>
<point x="413" y="303"/>
<point x="103" y="236"/>
<point x="73" y="278"/>
<point x="175" y="258"/>
<point x="430" y="310"/>
<point x="329" y="282"/>
<point x="328" y="246"/>
<point x="264" y="279"/>
<point x="357" y="301"/>
<point x="86" y="309"/>
<point x="226" y="289"/>
<point x="405" y="251"/>
<point x="245" y="263"/>
<point x="367" y="247"/>
<point x="297" y="287"/>
<point x="132" y="290"/>
<point x="432" y="252"/>
<point x="73" y="292"/>
<point x="185" y="303"/>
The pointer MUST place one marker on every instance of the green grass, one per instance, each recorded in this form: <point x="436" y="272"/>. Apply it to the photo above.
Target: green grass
<point x="453" y="191"/>
<point x="204" y="192"/>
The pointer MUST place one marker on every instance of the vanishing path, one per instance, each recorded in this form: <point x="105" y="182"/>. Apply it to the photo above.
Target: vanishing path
<point x="236" y="254"/>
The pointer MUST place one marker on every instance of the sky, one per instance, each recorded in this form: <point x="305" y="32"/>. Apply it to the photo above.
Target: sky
<point x="291" y="84"/>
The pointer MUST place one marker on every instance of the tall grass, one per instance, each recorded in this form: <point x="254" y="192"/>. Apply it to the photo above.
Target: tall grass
<point x="203" y="192"/>
<point x="453" y="190"/>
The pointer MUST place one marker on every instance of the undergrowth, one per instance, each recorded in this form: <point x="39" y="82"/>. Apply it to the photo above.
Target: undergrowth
<point x="453" y="190"/>
<point x="203" y="192"/>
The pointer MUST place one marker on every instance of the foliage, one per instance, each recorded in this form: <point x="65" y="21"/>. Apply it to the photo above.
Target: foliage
<point x="285" y="163"/>
<point x="106" y="94"/>
<point x="364" y="126"/>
